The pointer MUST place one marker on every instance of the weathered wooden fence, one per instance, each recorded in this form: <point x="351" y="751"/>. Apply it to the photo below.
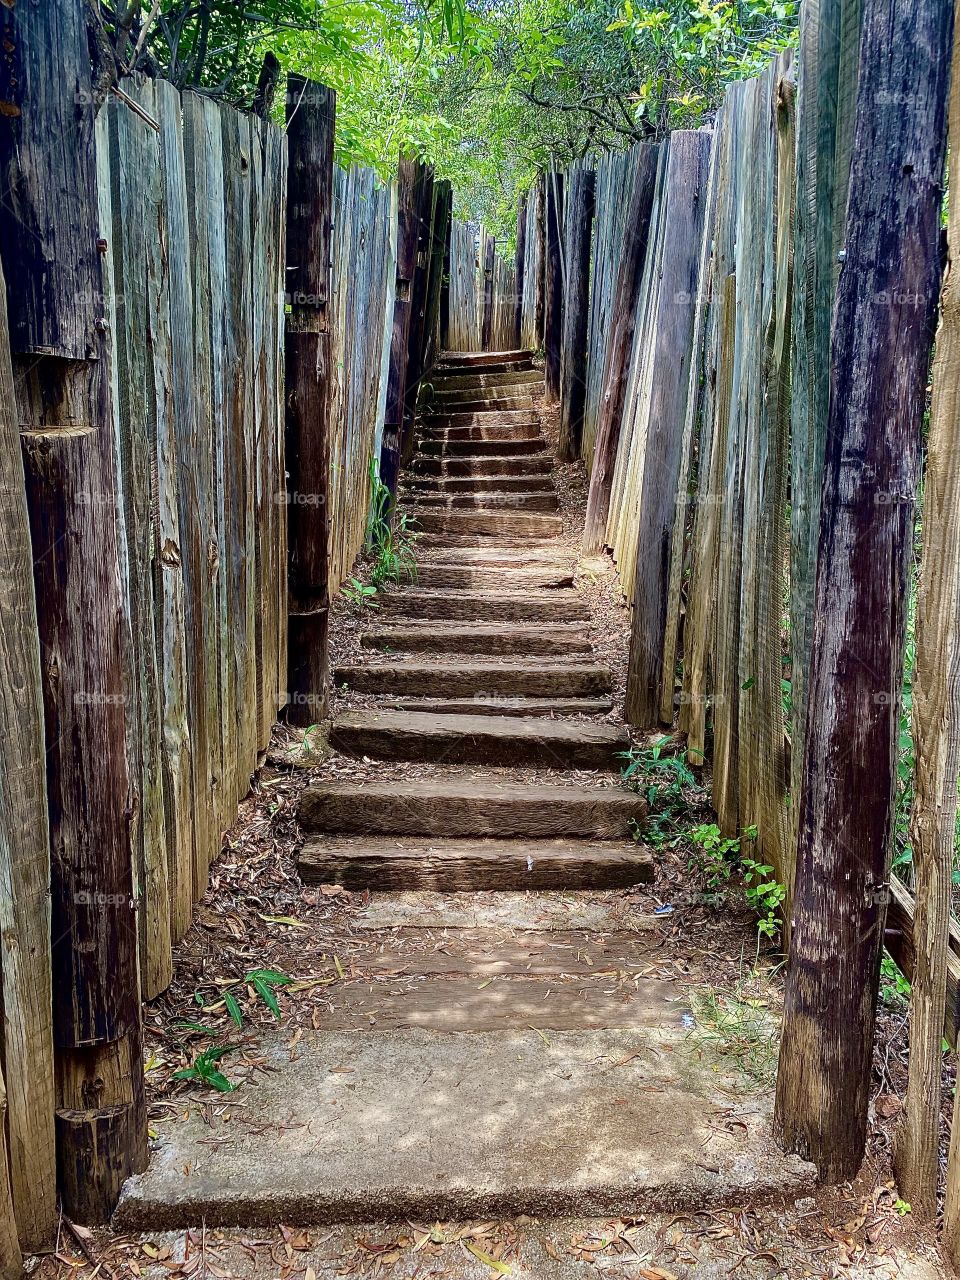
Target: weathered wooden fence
<point x="759" y="504"/>
<point x="150" y="510"/>
<point x="364" y="285"/>
<point x="463" y="333"/>
<point x="483" y="293"/>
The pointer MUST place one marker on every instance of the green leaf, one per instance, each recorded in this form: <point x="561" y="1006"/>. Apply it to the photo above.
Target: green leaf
<point x="267" y="995"/>
<point x="233" y="1008"/>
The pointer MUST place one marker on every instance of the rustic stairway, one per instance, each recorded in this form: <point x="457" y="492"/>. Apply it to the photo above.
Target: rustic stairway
<point x="485" y="660"/>
<point x="475" y="1054"/>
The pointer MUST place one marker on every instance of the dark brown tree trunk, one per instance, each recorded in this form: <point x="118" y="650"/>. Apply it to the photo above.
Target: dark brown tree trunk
<point x="311" y="113"/>
<point x="488" y="253"/>
<point x="521" y="265"/>
<point x="882" y="335"/>
<point x="622" y="323"/>
<point x="407" y="234"/>
<point x="576" y="312"/>
<point x="49" y="230"/>
<point x="553" y="286"/>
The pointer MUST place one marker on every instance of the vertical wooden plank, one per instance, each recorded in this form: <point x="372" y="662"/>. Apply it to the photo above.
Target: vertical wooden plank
<point x="487" y="258"/>
<point x="684" y="516"/>
<point x="553" y="286"/>
<point x="886" y="297"/>
<point x="540" y="258"/>
<point x="407" y="228"/>
<point x="238" y="440"/>
<point x="25" y="854"/>
<point x="131" y="192"/>
<point x="826" y="99"/>
<point x="685" y="194"/>
<point x="936" y="738"/>
<point x="623" y="322"/>
<point x="520" y="261"/>
<point x="576" y="312"/>
<point x="48" y="160"/>
<point x="214" y="213"/>
<point x="198" y="526"/>
<point x="171" y="338"/>
<point x="311" y="110"/>
<point x="771" y="812"/>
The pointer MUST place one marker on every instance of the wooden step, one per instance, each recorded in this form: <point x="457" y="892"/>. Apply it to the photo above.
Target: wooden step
<point x="533" y="680"/>
<point x="472" y="426"/>
<point x="536" y="483"/>
<point x="528" y="464"/>
<point x="545" y="500"/>
<point x="482" y="424"/>
<point x="411" y="635"/>
<point x="514" y="553"/>
<point x="473" y="739"/>
<point x="492" y="378"/>
<point x="491" y="524"/>
<point x="467" y="401"/>
<point x="465" y="807"/>
<point x="503" y="705"/>
<point x="482" y="359"/>
<point x="561" y="605"/>
<point x="434" y="448"/>
<point x="452" y="866"/>
<point x="467" y="577"/>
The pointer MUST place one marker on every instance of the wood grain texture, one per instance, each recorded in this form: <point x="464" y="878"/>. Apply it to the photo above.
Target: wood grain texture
<point x="553" y="285"/>
<point x="48" y="217"/>
<point x="518" y="606"/>
<point x="25" y="866"/>
<point x="936" y="737"/>
<point x="623" y="322"/>
<point x="450" y="866"/>
<point x="433" y="678"/>
<point x="671" y="337"/>
<point x="309" y="394"/>
<point x="508" y="639"/>
<point x="471" y="809"/>
<point x="886" y="298"/>
<point x="131" y="190"/>
<point x="578" y="233"/>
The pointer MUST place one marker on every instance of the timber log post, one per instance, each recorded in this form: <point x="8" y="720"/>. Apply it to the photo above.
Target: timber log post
<point x="488" y="252"/>
<point x="521" y="266"/>
<point x="50" y="233"/>
<point x="443" y="333"/>
<point x="576" y="311"/>
<point x="622" y="324"/>
<point x="407" y="237"/>
<point x="882" y="336"/>
<point x="311" y="116"/>
<point x="553" y="286"/>
<point x="425" y="204"/>
<point x="439" y="241"/>
<point x="540" y="233"/>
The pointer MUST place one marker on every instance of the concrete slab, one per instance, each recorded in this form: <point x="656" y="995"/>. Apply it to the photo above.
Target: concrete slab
<point x="353" y="1126"/>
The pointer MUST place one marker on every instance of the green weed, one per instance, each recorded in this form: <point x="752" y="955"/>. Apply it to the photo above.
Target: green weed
<point x="205" y="1069"/>
<point x="723" y="858"/>
<point x="359" y="594"/>
<point x="737" y="1024"/>
<point x="663" y="780"/>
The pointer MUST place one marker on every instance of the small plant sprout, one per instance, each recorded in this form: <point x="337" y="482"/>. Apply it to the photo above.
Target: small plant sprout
<point x="205" y="1069"/>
